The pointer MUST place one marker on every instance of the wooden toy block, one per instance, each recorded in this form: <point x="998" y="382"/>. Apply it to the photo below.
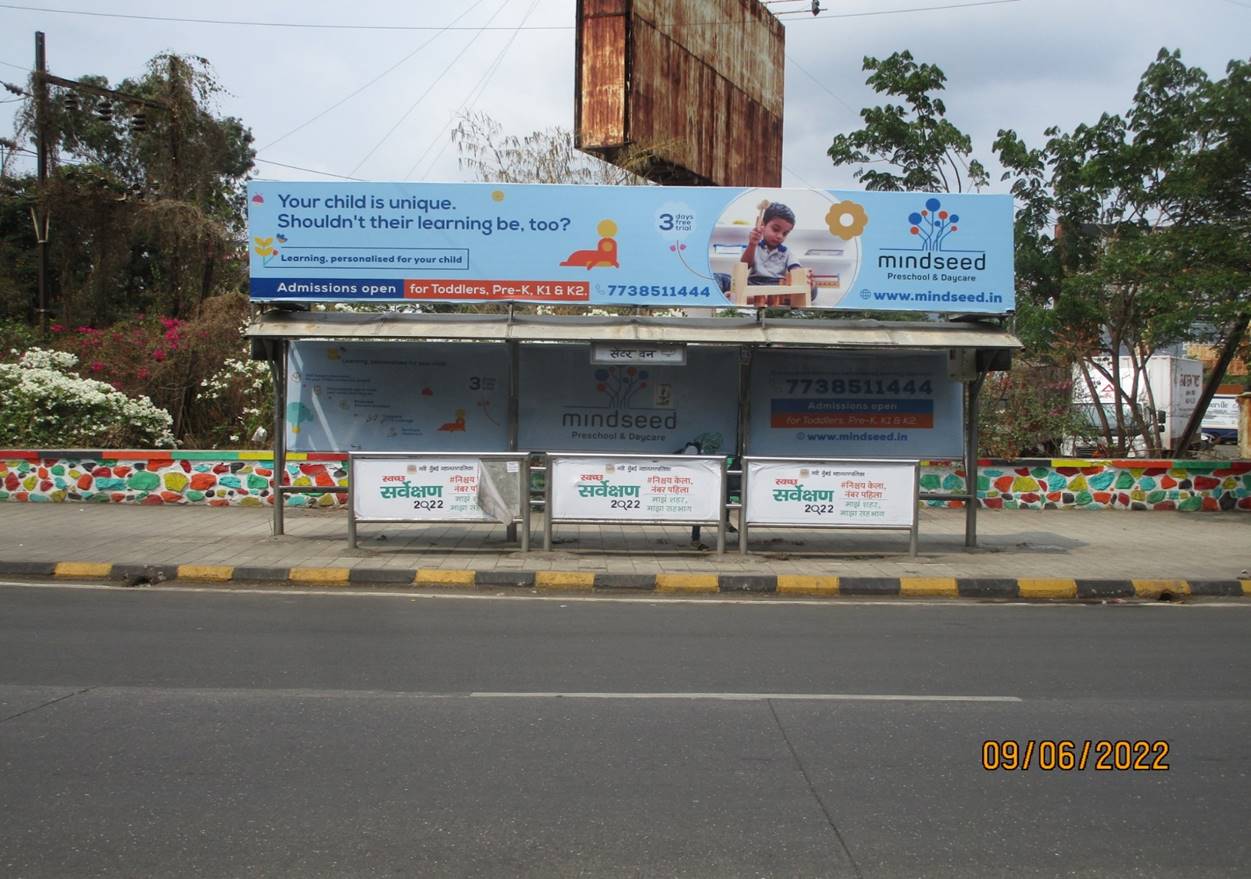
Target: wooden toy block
<point x="795" y="293"/>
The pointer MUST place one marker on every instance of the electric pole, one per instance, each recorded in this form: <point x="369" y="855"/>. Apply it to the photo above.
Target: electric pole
<point x="40" y="212"/>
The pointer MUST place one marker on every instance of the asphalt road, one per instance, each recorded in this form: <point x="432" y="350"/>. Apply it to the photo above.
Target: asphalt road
<point x="163" y="733"/>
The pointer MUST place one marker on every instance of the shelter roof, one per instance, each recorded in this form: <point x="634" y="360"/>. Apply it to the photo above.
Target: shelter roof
<point x="793" y="332"/>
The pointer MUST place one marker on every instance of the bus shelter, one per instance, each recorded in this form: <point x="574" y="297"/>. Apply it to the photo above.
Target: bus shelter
<point x="753" y="378"/>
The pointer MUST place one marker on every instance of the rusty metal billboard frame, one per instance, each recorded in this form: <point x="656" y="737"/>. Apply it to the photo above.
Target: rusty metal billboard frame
<point x="693" y="89"/>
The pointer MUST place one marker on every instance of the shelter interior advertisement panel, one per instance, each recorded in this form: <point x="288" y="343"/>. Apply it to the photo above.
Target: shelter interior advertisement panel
<point x="570" y="404"/>
<point x="839" y="405"/>
<point x="396" y="396"/>
<point x="657" y="246"/>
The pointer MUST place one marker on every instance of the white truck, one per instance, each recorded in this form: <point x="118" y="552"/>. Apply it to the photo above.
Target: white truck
<point x="1175" y="383"/>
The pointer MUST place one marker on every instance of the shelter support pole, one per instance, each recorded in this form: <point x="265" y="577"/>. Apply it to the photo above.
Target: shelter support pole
<point x="351" y="469"/>
<point x="525" y="504"/>
<point x="914" y="534"/>
<point x="514" y="387"/>
<point x="746" y="360"/>
<point x="547" y="503"/>
<point x="278" y="365"/>
<point x="722" y="512"/>
<point x="970" y="461"/>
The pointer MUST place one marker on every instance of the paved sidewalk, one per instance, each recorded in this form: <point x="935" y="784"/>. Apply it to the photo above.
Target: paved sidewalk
<point x="1014" y="544"/>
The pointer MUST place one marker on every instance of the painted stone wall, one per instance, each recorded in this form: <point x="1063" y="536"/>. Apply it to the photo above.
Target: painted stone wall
<point x="1190" y="486"/>
<point x="217" y="479"/>
<point x="227" y="479"/>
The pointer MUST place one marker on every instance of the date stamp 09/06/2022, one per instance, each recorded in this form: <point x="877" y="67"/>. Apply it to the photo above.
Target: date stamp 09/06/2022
<point x="1070" y="755"/>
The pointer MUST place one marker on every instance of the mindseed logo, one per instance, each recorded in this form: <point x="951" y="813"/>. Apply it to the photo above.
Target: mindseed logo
<point x="619" y="385"/>
<point x="932" y="226"/>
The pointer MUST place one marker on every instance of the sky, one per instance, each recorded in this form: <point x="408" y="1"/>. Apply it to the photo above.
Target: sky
<point x="372" y="89"/>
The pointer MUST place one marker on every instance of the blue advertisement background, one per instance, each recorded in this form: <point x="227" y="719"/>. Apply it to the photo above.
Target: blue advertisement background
<point x="396" y="396"/>
<point x="570" y="405"/>
<point x="888" y="394"/>
<point x="621" y="245"/>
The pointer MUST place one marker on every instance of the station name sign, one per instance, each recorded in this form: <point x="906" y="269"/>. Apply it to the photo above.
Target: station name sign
<point x="629" y="245"/>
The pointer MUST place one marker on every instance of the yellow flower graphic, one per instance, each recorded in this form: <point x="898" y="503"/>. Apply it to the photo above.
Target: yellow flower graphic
<point x="847" y="220"/>
<point x="264" y="246"/>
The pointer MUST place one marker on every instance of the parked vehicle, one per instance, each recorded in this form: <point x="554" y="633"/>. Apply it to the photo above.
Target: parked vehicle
<point x="1221" y="419"/>
<point x="1175" y="383"/>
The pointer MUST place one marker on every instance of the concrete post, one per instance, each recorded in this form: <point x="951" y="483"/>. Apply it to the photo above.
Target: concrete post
<point x="1244" y="425"/>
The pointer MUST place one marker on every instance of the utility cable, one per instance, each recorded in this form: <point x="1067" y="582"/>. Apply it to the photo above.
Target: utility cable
<point x="819" y="83"/>
<point x="470" y="100"/>
<point x="413" y="106"/>
<point x="295" y="24"/>
<point x="806" y="16"/>
<point x="309" y="170"/>
<point x="372" y="81"/>
<point x="796" y="175"/>
<point x="414" y="27"/>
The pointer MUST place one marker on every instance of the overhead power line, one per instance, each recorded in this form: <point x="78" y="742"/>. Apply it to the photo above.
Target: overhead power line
<point x="802" y="15"/>
<point x="413" y="106"/>
<point x="796" y="175"/>
<point x="805" y="15"/>
<point x="820" y="84"/>
<point x="349" y="97"/>
<point x="292" y="24"/>
<point x="471" y="99"/>
<point x="309" y="170"/>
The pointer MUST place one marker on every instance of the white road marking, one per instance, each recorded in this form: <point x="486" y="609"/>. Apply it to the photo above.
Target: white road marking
<point x="754" y="697"/>
<point x="106" y="690"/>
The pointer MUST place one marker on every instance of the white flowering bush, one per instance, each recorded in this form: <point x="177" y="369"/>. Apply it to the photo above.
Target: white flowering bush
<point x="44" y="404"/>
<point x="241" y="395"/>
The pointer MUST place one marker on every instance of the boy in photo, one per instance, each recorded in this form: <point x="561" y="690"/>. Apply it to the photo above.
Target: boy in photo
<point x="766" y="254"/>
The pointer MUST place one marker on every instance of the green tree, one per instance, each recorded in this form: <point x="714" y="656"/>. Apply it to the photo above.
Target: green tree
<point x="1132" y="232"/>
<point x="147" y="204"/>
<point x="923" y="150"/>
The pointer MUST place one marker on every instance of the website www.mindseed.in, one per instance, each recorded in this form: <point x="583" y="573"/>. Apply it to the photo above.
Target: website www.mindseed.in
<point x="985" y="297"/>
<point x="853" y="436"/>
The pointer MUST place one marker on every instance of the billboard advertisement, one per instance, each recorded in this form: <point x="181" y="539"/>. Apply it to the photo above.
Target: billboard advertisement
<point x="393" y="396"/>
<point x="839" y="405"/>
<point x="630" y="245"/>
<point x="570" y="403"/>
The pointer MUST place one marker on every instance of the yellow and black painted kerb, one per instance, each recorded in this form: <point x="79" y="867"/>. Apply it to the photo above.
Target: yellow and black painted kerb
<point x="811" y="586"/>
